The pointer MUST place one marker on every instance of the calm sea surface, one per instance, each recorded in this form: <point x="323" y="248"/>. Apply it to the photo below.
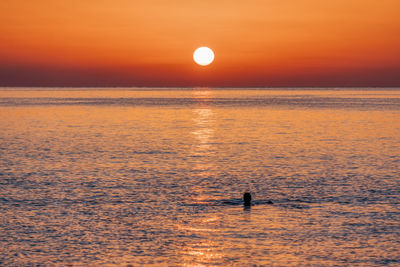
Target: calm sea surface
<point x="155" y="177"/>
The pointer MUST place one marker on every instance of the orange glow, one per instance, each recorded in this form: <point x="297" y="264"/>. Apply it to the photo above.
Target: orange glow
<point x="151" y="42"/>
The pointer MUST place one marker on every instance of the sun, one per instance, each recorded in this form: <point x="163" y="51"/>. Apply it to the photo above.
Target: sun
<point x="203" y="56"/>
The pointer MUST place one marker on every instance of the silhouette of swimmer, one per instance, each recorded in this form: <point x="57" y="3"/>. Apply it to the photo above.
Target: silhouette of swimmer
<point x="247" y="199"/>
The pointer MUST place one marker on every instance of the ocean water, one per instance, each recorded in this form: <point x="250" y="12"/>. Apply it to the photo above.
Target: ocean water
<point x="147" y="176"/>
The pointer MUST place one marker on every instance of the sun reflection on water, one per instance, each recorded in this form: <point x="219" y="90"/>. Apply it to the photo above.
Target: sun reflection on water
<point x="206" y="251"/>
<point x="203" y="133"/>
<point x="203" y="121"/>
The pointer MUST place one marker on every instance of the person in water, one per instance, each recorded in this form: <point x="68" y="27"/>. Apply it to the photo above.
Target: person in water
<point x="247" y="199"/>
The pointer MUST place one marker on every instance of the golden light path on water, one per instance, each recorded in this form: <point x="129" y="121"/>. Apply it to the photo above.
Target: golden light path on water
<point x="205" y="252"/>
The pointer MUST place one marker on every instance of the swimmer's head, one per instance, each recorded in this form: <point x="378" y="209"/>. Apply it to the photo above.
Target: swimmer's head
<point x="247" y="199"/>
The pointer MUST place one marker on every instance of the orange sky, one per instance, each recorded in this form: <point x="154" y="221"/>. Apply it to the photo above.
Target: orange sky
<point x="150" y="43"/>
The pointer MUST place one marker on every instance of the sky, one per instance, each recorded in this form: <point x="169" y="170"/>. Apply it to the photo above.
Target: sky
<point x="257" y="43"/>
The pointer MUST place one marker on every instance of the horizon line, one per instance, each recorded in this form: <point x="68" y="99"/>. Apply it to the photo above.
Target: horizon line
<point x="205" y="87"/>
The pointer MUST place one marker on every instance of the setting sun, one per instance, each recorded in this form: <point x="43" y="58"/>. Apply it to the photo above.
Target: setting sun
<point x="203" y="56"/>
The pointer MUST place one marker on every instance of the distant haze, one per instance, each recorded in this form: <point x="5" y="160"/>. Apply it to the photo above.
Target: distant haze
<point x="150" y="43"/>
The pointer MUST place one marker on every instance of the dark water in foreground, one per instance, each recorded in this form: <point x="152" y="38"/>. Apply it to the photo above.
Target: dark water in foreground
<point x="154" y="177"/>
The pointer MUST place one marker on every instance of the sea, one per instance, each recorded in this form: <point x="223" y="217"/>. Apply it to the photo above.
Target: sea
<point x="155" y="176"/>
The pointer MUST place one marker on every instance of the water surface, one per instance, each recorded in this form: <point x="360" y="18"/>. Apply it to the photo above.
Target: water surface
<point x="155" y="176"/>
